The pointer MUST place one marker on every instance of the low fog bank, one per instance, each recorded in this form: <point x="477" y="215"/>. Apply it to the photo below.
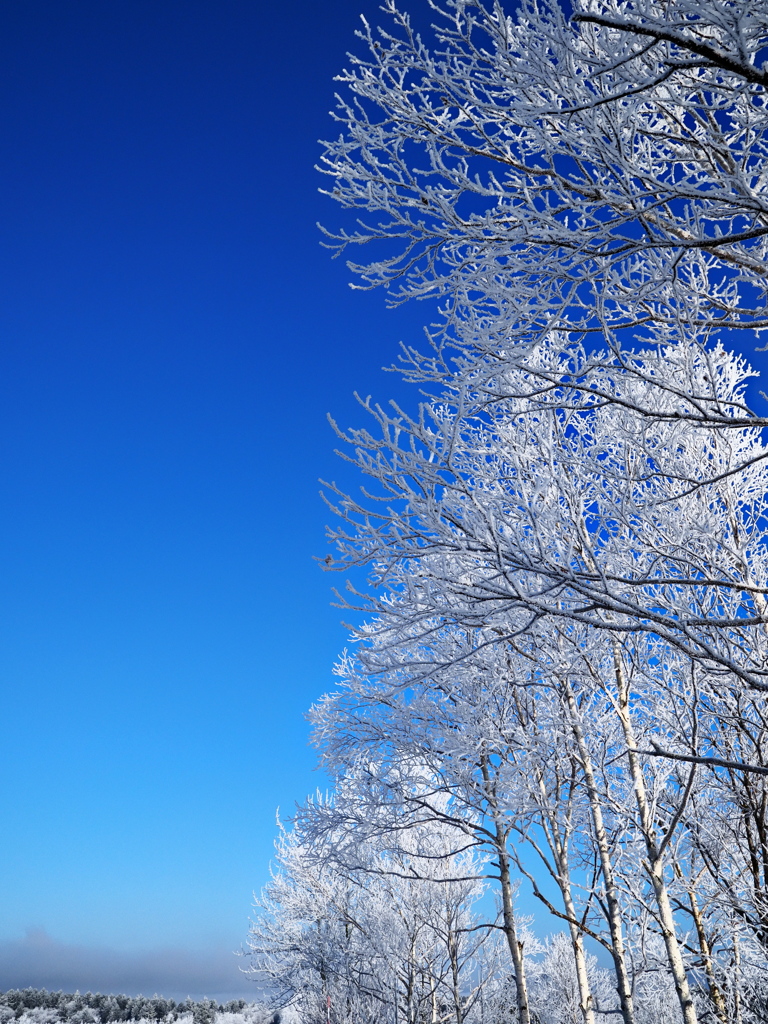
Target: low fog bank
<point x="39" y="961"/>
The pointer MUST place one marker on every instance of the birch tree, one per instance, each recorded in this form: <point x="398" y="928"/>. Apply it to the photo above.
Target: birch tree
<point x="602" y="174"/>
<point x="404" y="770"/>
<point x="520" y="524"/>
<point x="563" y="659"/>
<point x="376" y="939"/>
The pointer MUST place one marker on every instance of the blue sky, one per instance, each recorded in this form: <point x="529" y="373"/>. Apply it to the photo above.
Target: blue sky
<point x="172" y="336"/>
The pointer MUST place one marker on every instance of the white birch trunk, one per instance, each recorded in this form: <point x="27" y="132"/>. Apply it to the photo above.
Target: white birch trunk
<point x="559" y="849"/>
<point x="623" y="984"/>
<point x="655" y="857"/>
<point x="510" y="931"/>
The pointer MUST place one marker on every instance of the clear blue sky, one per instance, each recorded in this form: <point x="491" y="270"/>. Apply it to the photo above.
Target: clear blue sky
<point x="171" y="338"/>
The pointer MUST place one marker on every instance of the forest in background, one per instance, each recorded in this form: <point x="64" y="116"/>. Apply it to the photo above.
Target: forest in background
<point x="39" y="1006"/>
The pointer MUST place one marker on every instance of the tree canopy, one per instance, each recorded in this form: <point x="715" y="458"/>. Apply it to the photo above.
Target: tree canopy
<point x="560" y="682"/>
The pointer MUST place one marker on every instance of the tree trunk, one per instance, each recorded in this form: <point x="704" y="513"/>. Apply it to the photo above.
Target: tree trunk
<point x="507" y="904"/>
<point x="558" y="846"/>
<point x="715" y="994"/>
<point x="510" y="930"/>
<point x="655" y="857"/>
<point x="623" y="985"/>
<point x="737" y="986"/>
<point x="455" y="978"/>
<point x="586" y="1002"/>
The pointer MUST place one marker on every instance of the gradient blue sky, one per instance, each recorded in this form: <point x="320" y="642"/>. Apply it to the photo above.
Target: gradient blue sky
<point x="171" y="338"/>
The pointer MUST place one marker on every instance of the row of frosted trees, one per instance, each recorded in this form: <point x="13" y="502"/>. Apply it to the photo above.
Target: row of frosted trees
<point x="97" y="1008"/>
<point x="560" y="680"/>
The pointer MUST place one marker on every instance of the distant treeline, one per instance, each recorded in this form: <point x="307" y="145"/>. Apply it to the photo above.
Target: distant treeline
<point x="95" y="1008"/>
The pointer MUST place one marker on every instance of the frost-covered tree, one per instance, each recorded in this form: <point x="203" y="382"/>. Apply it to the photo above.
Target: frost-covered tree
<point x="597" y="513"/>
<point x="389" y="932"/>
<point x="588" y="195"/>
<point x="599" y="171"/>
<point x="542" y="531"/>
<point x="562" y="666"/>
